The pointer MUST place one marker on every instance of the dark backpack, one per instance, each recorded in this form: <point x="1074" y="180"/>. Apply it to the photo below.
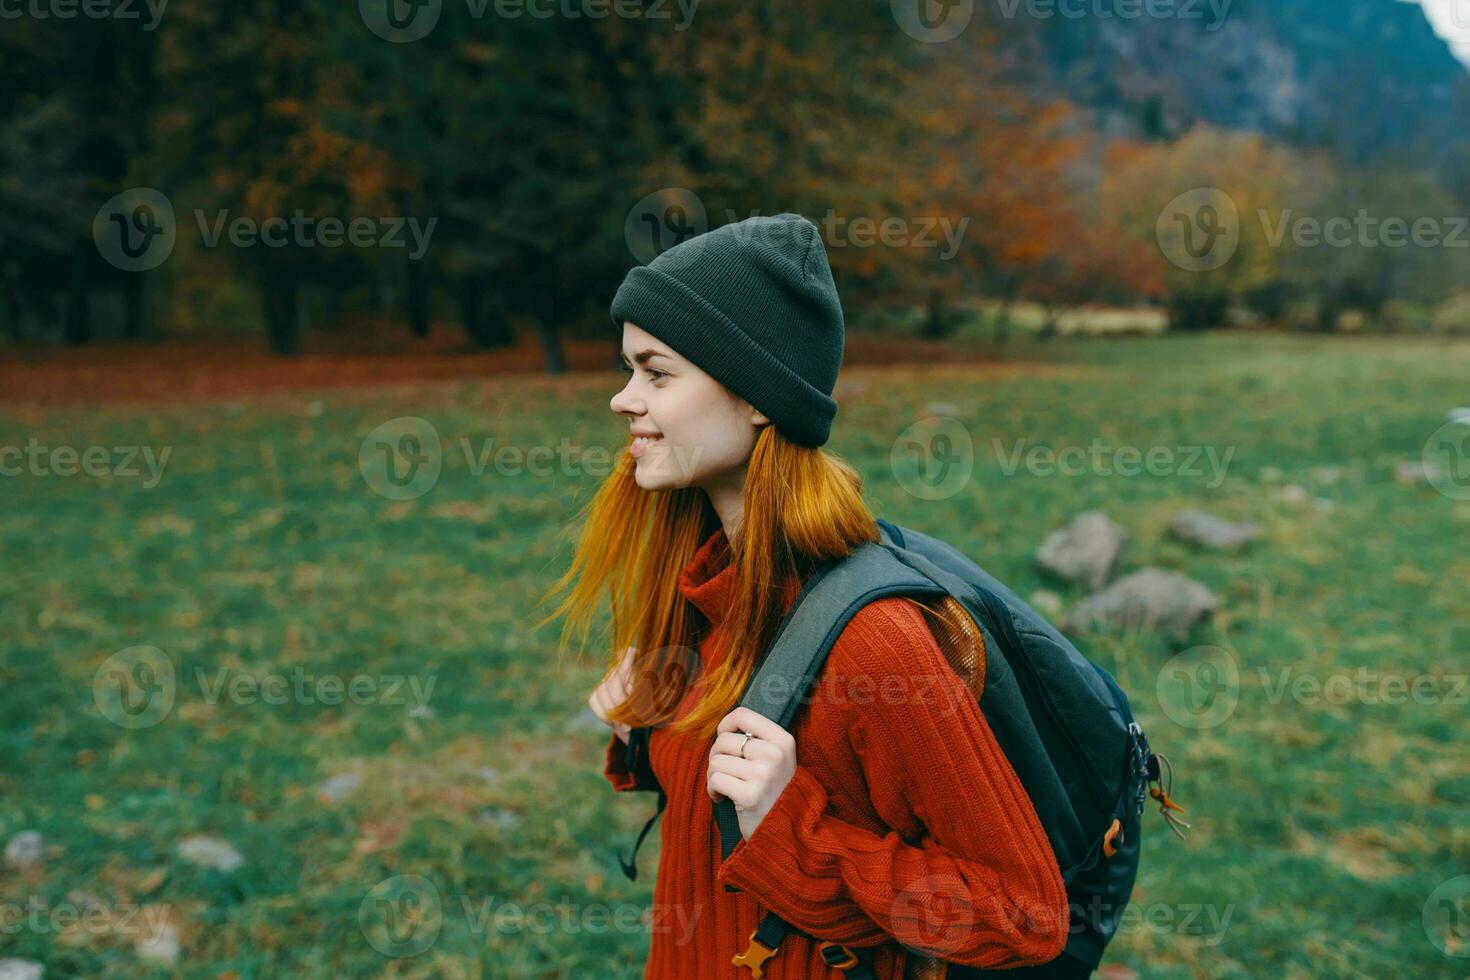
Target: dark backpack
<point x="1062" y="721"/>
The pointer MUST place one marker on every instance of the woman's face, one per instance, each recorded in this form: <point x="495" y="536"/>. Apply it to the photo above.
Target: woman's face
<point x="702" y="434"/>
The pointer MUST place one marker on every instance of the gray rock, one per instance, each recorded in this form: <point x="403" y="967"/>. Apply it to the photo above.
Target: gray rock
<point x="1046" y="602"/>
<point x="1412" y="473"/>
<point x="210" y="852"/>
<point x="500" y="819"/>
<point x="1461" y="415"/>
<point x="161" y="946"/>
<point x="13" y="969"/>
<point x="942" y="408"/>
<point x="1152" y="598"/>
<point x="1207" y="530"/>
<point x="340" y="787"/>
<point x="1086" y="552"/>
<point x="26" y="849"/>
<point x="85" y="901"/>
<point x="1292" y="493"/>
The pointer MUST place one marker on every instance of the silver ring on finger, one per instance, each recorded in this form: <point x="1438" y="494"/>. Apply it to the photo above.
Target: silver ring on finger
<point x="748" y="737"/>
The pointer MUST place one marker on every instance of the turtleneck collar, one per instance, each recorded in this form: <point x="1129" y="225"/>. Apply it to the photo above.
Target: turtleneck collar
<point x="708" y="580"/>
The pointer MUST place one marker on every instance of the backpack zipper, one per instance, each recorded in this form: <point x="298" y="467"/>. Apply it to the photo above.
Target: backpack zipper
<point x="1007" y="625"/>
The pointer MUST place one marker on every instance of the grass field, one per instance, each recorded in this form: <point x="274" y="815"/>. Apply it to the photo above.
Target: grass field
<point x="1329" y="830"/>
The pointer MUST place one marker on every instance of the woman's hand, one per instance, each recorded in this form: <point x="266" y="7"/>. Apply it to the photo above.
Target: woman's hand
<point x="755" y="782"/>
<point x="612" y="692"/>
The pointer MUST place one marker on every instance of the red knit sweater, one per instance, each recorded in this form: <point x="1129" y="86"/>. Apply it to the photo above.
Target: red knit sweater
<point x="904" y="827"/>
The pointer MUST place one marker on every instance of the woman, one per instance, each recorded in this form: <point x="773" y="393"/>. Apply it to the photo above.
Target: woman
<point x="882" y="821"/>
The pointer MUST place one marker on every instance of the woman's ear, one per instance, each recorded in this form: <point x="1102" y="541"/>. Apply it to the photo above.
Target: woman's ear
<point x="756" y="418"/>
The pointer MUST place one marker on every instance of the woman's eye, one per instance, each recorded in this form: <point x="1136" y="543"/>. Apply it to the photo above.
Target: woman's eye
<point x="656" y="374"/>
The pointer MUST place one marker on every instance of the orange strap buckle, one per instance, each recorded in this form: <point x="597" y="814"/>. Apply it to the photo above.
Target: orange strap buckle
<point x="754" y="956"/>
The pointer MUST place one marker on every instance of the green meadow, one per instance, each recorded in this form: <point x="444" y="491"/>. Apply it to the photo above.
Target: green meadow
<point x="263" y="646"/>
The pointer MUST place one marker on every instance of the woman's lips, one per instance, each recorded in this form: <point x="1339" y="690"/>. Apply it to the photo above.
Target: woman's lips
<point x="640" y="445"/>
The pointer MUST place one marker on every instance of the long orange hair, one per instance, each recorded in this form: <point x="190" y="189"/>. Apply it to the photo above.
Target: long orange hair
<point x="802" y="505"/>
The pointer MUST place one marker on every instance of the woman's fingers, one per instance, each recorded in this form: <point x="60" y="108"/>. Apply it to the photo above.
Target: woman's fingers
<point x="729" y="743"/>
<point x="723" y="785"/>
<point x="612" y="692"/>
<point x="744" y="719"/>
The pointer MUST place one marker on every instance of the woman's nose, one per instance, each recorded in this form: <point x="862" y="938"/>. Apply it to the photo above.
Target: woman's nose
<point x="622" y="403"/>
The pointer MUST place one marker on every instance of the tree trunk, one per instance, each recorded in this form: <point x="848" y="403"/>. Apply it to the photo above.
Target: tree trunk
<point x="78" y="310"/>
<point x="937" y="324"/>
<point x="546" y="333"/>
<point x="418" y="299"/>
<point x="135" y="306"/>
<point x="282" y="319"/>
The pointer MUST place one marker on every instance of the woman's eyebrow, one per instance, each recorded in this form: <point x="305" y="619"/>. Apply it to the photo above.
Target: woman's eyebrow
<point x="643" y="356"/>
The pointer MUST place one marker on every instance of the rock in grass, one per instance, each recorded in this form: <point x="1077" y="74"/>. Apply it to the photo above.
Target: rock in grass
<point x="339" y="787"/>
<point x="1152" y="599"/>
<point x="26" y="849"/>
<point x="159" y="947"/>
<point x="13" y="969"/>
<point x="1411" y="473"/>
<point x="1209" y="531"/>
<point x="1085" y="552"/>
<point x="210" y="852"/>
<point x="1046" y="602"/>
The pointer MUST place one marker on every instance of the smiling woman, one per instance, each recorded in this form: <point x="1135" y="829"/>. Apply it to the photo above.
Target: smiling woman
<point x="855" y="819"/>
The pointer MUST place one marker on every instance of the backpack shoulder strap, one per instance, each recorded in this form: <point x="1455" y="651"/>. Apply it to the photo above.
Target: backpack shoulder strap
<point x="829" y="599"/>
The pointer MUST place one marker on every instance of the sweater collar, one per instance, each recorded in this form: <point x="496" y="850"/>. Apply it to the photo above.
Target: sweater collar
<point x="708" y="580"/>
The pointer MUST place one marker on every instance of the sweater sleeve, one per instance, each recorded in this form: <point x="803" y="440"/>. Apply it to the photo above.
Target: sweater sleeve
<point x="615" y="768"/>
<point x="980" y="887"/>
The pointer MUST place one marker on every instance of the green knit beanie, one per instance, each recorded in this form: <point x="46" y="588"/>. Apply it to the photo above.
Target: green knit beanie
<point x="753" y="304"/>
